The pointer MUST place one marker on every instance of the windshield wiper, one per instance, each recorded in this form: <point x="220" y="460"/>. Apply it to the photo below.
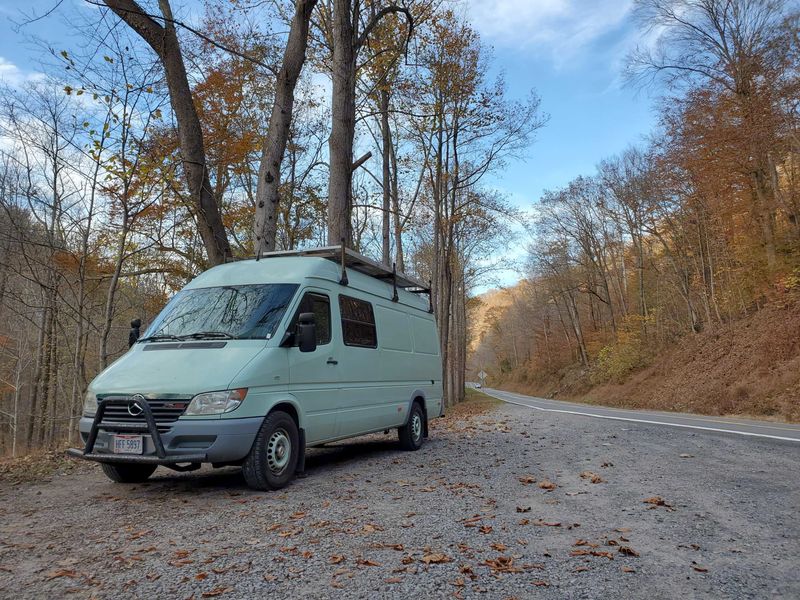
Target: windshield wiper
<point x="204" y="335"/>
<point x="159" y="338"/>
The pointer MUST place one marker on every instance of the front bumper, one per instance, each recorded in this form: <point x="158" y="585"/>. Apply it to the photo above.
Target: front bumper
<point x="186" y="441"/>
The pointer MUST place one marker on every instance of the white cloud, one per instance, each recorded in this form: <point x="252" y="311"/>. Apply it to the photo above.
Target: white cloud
<point x="12" y="75"/>
<point x="563" y="28"/>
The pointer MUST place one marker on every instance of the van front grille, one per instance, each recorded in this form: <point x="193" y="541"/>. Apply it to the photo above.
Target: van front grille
<point x="165" y="413"/>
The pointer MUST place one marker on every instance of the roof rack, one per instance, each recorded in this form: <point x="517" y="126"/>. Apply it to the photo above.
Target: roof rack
<point x="349" y="258"/>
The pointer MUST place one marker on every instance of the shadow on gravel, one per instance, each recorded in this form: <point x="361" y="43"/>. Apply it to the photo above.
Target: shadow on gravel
<point x="318" y="461"/>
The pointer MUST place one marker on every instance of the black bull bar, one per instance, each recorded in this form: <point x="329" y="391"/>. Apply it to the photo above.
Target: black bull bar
<point x="149" y="427"/>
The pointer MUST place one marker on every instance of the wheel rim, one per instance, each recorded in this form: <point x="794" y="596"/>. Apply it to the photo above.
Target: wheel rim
<point x="279" y="451"/>
<point x="416" y="426"/>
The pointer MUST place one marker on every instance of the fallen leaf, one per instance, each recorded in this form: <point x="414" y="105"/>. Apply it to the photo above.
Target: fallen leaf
<point x="62" y="573"/>
<point x="628" y="570"/>
<point x="498" y="546"/>
<point x="269" y="577"/>
<point x="541" y="583"/>
<point x="540" y="523"/>
<point x="527" y="479"/>
<point x="365" y="562"/>
<point x="336" y="559"/>
<point x="436" y="558"/>
<point x="485" y="529"/>
<point x="700" y="569"/>
<point x="686" y="456"/>
<point x="217" y="592"/>
<point x="200" y="576"/>
<point x="658" y="501"/>
<point x="502" y="564"/>
<point x="593" y="477"/>
<point x="523" y="510"/>
<point x="393" y="580"/>
<point x="139" y="534"/>
<point x="547" y="485"/>
<point x="628" y="551"/>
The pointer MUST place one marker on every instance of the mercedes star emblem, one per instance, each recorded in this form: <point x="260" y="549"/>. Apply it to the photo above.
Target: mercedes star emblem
<point x="135" y="405"/>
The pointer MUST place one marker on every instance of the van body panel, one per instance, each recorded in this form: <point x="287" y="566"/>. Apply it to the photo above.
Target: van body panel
<point x="174" y="370"/>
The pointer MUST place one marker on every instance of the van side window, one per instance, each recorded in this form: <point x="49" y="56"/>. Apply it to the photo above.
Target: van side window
<point x="358" y="323"/>
<point x="320" y="305"/>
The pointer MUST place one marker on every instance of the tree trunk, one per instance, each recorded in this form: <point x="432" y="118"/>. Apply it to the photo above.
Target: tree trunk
<point x="399" y="258"/>
<point x="269" y="172"/>
<point x="386" y="142"/>
<point x="112" y="292"/>
<point x="343" y="116"/>
<point x="164" y="42"/>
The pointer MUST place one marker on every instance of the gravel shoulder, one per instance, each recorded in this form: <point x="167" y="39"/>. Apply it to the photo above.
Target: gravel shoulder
<point x="493" y="506"/>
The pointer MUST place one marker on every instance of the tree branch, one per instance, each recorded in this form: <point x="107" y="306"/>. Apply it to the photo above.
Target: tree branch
<point x="373" y="22"/>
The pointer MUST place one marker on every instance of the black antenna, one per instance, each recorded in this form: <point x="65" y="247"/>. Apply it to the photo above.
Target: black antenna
<point x="430" y="295"/>
<point x="395" y="297"/>
<point x="343" y="280"/>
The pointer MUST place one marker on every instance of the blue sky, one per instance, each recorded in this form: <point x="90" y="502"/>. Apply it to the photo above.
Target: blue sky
<point x="570" y="51"/>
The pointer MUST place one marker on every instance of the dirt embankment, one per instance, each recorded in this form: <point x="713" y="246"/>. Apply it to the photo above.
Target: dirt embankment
<point x="748" y="367"/>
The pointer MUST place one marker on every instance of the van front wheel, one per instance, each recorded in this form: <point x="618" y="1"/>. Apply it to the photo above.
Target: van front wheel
<point x="412" y="433"/>
<point x="273" y="458"/>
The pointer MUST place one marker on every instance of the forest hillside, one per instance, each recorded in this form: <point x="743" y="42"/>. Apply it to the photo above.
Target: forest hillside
<point x="750" y="366"/>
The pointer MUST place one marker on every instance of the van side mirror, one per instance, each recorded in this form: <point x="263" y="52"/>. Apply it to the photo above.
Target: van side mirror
<point x="306" y="332"/>
<point x="134" y="334"/>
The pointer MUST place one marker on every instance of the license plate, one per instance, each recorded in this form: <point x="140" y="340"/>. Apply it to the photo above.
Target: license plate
<point x="128" y="444"/>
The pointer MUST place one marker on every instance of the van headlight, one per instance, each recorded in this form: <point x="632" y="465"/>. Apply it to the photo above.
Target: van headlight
<point x="89" y="404"/>
<point x="216" y="403"/>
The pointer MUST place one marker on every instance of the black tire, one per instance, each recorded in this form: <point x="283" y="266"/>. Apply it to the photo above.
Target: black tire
<point x="412" y="434"/>
<point x="267" y="467"/>
<point x="125" y="473"/>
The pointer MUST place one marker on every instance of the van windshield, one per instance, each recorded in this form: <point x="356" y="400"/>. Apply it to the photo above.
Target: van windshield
<point x="235" y="311"/>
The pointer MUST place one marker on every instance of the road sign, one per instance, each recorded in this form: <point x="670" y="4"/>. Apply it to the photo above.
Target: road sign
<point x="482" y="375"/>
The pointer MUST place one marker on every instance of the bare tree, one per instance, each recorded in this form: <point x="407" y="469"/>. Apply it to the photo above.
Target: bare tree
<point x="269" y="173"/>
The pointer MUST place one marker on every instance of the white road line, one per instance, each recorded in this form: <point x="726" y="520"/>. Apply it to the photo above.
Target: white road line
<point x="665" y="415"/>
<point x="587" y="414"/>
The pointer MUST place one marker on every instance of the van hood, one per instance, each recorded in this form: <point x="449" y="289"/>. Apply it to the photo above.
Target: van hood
<point x="175" y="369"/>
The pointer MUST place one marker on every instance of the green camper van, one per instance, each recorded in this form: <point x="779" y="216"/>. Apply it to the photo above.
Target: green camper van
<point x="256" y="360"/>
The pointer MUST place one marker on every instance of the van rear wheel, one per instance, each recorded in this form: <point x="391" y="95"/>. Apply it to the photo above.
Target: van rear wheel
<point x="411" y="434"/>
<point x="123" y="473"/>
<point x="273" y="458"/>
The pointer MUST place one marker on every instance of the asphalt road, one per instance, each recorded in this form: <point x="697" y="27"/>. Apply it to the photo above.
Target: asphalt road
<point x="734" y="426"/>
<point x="513" y="503"/>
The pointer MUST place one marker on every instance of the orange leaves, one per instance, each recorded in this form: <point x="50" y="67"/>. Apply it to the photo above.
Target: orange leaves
<point x="62" y="573"/>
<point x="435" y="558"/>
<point x="502" y="564"/>
<point x="656" y="501"/>
<point x="527" y="479"/>
<point x="547" y="485"/>
<point x="365" y="562"/>
<point x="593" y="477"/>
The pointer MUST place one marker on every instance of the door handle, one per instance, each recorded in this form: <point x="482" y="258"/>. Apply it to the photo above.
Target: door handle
<point x="331" y="361"/>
